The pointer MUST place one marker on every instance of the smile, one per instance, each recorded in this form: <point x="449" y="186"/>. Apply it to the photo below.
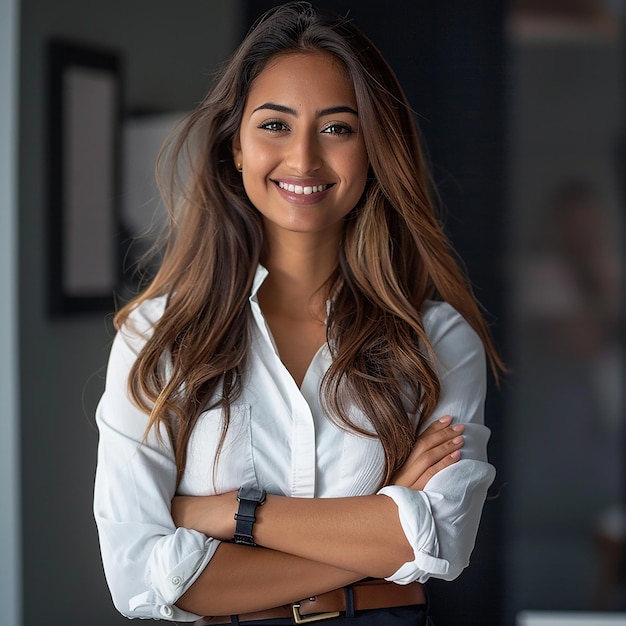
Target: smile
<point x="303" y="190"/>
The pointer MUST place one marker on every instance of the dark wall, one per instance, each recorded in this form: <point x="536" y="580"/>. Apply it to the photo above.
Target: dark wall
<point x="449" y="58"/>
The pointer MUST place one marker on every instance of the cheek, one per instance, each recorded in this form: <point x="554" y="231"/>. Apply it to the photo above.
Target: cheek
<point x="361" y="170"/>
<point x="258" y="161"/>
<point x="360" y="161"/>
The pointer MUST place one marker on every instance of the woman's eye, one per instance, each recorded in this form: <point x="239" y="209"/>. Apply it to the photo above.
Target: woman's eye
<point x="338" y="129"/>
<point x="274" y="126"/>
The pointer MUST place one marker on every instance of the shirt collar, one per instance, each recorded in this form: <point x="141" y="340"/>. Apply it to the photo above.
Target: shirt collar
<point x="259" y="279"/>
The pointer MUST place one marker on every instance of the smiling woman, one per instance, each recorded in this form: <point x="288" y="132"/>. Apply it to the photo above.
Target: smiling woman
<point x="294" y="406"/>
<point x="300" y="131"/>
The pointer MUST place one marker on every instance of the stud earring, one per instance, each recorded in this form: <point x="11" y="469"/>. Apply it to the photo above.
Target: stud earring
<point x="239" y="167"/>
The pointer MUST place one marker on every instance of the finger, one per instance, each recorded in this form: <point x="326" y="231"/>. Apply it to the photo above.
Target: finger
<point x="412" y="472"/>
<point x="434" y="455"/>
<point x="447" y="461"/>
<point x="442" y="422"/>
<point x="433" y="436"/>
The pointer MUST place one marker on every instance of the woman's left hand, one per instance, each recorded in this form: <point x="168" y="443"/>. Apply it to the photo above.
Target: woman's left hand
<point x="212" y="515"/>
<point x="435" y="449"/>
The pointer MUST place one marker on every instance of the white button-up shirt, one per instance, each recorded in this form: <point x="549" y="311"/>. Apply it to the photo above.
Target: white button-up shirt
<point x="278" y="439"/>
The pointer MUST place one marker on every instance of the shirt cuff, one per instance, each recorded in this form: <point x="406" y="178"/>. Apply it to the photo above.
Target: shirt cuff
<point x="174" y="565"/>
<point x="419" y="528"/>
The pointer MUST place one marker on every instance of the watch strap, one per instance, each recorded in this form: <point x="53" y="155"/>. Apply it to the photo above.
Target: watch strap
<point x="249" y="500"/>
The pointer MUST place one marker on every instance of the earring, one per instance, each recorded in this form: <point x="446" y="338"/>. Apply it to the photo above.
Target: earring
<point x="239" y="168"/>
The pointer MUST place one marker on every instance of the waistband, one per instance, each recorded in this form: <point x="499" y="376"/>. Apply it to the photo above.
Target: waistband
<point x="361" y="596"/>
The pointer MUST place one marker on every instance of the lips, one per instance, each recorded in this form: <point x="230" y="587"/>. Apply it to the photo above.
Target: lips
<point x="303" y="192"/>
<point x="306" y="190"/>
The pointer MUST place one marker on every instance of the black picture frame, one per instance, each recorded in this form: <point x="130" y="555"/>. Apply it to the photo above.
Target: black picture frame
<point x="84" y="142"/>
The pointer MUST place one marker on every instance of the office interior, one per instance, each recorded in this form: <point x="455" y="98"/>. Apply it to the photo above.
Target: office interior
<point x="522" y="106"/>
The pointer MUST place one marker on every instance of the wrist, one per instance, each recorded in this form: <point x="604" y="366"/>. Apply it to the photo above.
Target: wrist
<point x="217" y="516"/>
<point x="249" y="499"/>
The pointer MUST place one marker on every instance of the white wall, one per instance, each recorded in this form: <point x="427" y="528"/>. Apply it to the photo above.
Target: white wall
<point x="9" y="473"/>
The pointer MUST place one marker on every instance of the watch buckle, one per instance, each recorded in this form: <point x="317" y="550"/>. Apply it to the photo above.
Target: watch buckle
<point x="307" y="619"/>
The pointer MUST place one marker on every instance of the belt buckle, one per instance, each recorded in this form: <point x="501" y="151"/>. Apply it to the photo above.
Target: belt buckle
<point x="307" y="619"/>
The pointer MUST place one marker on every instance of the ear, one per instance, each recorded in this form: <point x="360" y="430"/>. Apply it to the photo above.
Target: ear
<point x="236" y="149"/>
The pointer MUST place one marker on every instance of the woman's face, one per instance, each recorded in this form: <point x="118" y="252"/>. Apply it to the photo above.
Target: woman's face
<point x="300" y="145"/>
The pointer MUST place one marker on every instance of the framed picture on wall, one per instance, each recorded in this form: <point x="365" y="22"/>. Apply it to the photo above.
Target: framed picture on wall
<point x="83" y="163"/>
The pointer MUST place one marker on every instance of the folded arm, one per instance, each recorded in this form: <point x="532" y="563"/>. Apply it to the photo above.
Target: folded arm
<point x="344" y="538"/>
<point x="161" y="563"/>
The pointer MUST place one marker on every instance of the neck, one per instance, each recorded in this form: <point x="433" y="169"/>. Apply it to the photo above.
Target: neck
<point x="298" y="266"/>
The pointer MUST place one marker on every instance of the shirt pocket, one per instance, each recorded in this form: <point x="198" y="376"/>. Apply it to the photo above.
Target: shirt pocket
<point x="209" y="471"/>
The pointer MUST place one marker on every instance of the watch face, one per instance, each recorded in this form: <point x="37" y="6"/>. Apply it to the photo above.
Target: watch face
<point x="251" y="493"/>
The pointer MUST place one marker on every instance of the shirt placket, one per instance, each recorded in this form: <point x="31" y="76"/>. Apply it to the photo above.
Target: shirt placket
<point x="302" y="422"/>
<point x="303" y="448"/>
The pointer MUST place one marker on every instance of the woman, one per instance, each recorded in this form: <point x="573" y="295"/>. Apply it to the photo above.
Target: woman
<point x="304" y="370"/>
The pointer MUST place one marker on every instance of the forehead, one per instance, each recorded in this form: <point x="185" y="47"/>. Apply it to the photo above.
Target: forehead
<point x="302" y="78"/>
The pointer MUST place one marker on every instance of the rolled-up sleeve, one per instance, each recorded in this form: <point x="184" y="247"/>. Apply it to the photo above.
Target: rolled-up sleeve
<point x="441" y="522"/>
<point x="148" y="562"/>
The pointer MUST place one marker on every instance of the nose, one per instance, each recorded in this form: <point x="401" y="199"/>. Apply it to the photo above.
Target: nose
<point x="304" y="154"/>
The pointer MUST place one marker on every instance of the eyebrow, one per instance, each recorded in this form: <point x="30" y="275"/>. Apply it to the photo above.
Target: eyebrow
<point x="280" y="108"/>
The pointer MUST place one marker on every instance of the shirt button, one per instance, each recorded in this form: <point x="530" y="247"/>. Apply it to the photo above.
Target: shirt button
<point x="177" y="580"/>
<point x="166" y="611"/>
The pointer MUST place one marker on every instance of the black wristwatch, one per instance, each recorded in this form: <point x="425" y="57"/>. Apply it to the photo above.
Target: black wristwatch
<point x="249" y="498"/>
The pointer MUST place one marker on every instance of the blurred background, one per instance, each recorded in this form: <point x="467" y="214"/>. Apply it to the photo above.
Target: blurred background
<point x="522" y="107"/>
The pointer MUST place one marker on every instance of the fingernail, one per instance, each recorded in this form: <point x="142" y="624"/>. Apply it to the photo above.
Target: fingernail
<point x="458" y="439"/>
<point x="446" y="419"/>
<point x="458" y="427"/>
<point x="455" y="455"/>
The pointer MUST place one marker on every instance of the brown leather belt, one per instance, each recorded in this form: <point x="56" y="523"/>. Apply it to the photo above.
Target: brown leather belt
<point x="366" y="594"/>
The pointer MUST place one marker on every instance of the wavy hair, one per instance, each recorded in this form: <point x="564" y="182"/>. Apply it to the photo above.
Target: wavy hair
<point x="394" y="256"/>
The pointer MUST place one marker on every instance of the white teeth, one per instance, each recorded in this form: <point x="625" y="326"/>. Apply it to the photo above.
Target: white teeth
<point x="299" y="189"/>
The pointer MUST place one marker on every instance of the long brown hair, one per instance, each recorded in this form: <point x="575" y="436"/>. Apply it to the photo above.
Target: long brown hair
<point x="394" y="256"/>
